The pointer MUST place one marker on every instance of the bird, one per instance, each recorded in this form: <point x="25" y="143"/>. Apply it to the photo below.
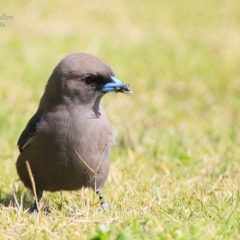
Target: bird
<point x="67" y="141"/>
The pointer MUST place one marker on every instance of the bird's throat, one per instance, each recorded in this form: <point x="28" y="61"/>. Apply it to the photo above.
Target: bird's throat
<point x="96" y="107"/>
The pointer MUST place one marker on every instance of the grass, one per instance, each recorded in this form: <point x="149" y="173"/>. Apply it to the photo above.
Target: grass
<point x="175" y="169"/>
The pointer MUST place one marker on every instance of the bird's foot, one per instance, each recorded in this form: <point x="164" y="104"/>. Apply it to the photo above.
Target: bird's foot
<point x="103" y="203"/>
<point x="36" y="207"/>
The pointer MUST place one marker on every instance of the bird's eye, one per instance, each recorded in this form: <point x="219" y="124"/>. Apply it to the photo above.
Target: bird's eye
<point x="90" y="80"/>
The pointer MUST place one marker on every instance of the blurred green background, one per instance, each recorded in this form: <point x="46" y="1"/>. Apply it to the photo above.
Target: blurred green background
<point x="175" y="168"/>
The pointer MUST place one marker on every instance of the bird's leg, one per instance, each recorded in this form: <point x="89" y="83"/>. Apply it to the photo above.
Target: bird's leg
<point x="39" y="196"/>
<point x="103" y="203"/>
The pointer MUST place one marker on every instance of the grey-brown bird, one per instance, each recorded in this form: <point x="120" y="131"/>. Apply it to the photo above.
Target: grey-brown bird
<point x="67" y="141"/>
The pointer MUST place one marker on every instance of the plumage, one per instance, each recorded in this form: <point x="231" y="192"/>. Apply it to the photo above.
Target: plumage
<point x="70" y="124"/>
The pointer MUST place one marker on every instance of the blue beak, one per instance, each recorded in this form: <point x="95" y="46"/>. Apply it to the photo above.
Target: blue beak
<point x="116" y="86"/>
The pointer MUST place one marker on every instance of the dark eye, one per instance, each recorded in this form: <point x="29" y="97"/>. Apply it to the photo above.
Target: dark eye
<point x="90" y="80"/>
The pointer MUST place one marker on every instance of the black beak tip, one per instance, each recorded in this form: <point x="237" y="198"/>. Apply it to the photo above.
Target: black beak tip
<point x="124" y="89"/>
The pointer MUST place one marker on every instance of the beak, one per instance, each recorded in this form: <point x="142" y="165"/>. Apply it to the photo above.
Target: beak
<point x="116" y="86"/>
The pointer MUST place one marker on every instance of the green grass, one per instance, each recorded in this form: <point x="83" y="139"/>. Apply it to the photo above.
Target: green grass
<point x="176" y="167"/>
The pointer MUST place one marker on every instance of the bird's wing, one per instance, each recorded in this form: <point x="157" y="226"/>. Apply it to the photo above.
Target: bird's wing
<point x="29" y="131"/>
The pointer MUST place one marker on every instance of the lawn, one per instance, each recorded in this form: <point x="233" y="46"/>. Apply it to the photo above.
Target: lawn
<point x="175" y="168"/>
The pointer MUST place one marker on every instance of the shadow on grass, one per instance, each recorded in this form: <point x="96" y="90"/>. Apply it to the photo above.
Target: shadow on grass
<point x="22" y="199"/>
<point x="16" y="198"/>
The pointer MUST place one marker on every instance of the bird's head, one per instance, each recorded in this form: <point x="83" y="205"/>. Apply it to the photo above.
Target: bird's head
<point x="82" y="78"/>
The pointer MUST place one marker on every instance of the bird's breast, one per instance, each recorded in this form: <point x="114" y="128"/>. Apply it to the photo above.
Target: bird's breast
<point x="78" y="133"/>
